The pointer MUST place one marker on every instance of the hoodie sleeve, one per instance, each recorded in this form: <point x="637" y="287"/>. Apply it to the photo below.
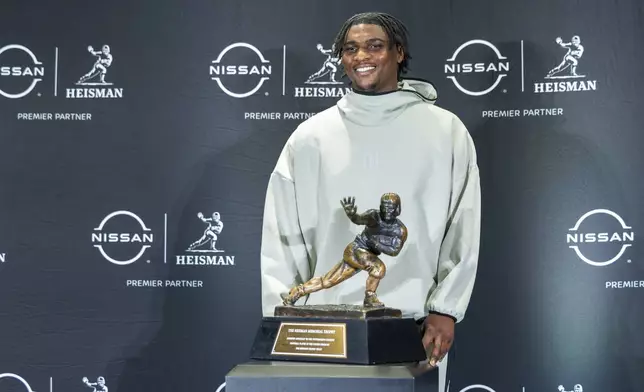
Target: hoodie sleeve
<point x="458" y="256"/>
<point x="284" y="259"/>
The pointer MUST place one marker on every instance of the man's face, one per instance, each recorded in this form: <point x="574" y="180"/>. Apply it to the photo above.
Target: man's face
<point x="370" y="60"/>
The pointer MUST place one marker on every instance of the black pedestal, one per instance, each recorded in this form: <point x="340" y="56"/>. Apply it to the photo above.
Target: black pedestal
<point x="313" y="377"/>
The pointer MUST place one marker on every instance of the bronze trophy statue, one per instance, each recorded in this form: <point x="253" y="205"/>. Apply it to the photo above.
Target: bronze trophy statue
<point x="366" y="334"/>
<point x="383" y="233"/>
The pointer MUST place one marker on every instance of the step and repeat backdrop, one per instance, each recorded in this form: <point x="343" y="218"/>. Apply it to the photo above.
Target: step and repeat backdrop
<point x="131" y="131"/>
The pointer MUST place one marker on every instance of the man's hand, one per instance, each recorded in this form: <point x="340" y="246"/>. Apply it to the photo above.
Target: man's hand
<point x="348" y="203"/>
<point x="438" y="337"/>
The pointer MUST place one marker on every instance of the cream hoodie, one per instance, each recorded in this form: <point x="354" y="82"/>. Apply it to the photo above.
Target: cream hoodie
<point x="364" y="146"/>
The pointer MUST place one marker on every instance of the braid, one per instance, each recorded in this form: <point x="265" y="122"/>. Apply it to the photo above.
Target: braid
<point x="394" y="28"/>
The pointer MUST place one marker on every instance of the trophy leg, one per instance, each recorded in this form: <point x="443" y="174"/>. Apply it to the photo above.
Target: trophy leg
<point x="338" y="274"/>
<point x="376" y="269"/>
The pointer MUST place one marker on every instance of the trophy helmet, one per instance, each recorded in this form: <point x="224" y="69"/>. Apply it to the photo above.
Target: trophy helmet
<point x="392" y="198"/>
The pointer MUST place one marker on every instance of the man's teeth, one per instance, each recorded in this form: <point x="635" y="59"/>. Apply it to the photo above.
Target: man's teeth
<point x="364" y="69"/>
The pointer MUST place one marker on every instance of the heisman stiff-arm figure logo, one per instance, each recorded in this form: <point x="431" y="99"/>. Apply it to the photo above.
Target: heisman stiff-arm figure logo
<point x="324" y="82"/>
<point x="103" y="62"/>
<point x="98" y="386"/>
<point x="93" y="82"/>
<point x="214" y="226"/>
<point x="570" y="59"/>
<point x="206" y="245"/>
<point x="329" y="67"/>
<point x="564" y="77"/>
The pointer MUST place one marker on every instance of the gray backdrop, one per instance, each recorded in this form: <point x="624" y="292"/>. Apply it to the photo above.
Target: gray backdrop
<point x="171" y="132"/>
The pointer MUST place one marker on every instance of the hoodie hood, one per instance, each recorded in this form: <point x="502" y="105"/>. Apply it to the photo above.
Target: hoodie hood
<point x="371" y="109"/>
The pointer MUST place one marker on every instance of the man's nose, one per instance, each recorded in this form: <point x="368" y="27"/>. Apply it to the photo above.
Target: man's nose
<point x="361" y="54"/>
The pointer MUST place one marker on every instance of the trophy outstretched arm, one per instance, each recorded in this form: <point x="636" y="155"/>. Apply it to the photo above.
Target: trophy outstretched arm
<point x="368" y="218"/>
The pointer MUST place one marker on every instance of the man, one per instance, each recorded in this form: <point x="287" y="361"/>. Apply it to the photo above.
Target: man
<point x="383" y="136"/>
<point x="383" y="233"/>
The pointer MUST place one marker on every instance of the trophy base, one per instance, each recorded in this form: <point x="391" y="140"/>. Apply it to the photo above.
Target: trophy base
<point x="332" y="311"/>
<point x="343" y="334"/>
<point x="294" y="376"/>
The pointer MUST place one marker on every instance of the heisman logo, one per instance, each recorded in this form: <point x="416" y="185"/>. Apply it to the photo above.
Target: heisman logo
<point x="323" y="83"/>
<point x="329" y="67"/>
<point x="99" y="385"/>
<point x="93" y="82"/>
<point x="570" y="59"/>
<point x="207" y="243"/>
<point x="103" y="61"/>
<point x="569" y="80"/>
<point x="214" y="226"/>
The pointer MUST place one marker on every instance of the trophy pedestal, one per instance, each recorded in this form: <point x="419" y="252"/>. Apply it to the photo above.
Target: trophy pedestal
<point x="323" y="377"/>
<point x="342" y="334"/>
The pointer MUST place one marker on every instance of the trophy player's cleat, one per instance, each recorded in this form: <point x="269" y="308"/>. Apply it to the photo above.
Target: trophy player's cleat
<point x="291" y="298"/>
<point x="371" y="300"/>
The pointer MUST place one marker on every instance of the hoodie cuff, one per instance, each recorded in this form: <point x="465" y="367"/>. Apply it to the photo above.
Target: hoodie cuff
<point x="444" y="314"/>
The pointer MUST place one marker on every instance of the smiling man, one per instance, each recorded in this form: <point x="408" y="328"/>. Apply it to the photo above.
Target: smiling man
<point x="386" y="135"/>
<point x="371" y="58"/>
